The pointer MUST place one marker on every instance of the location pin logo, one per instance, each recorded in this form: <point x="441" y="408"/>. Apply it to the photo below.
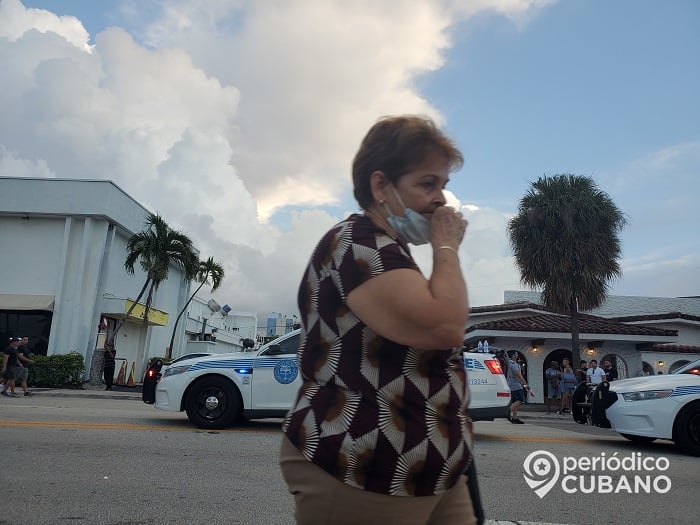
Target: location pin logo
<point x="541" y="471"/>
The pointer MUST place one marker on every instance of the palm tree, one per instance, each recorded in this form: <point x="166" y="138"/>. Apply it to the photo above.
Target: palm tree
<point x="156" y="247"/>
<point x="565" y="241"/>
<point x="208" y="270"/>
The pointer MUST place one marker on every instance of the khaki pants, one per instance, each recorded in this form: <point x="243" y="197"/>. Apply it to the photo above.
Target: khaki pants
<point x="321" y="499"/>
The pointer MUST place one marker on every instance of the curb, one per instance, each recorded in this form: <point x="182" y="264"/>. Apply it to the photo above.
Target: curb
<point x="90" y="394"/>
<point x="500" y="522"/>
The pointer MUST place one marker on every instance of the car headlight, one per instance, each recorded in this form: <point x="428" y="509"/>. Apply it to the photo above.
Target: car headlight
<point x="647" y="394"/>
<point x="176" y="370"/>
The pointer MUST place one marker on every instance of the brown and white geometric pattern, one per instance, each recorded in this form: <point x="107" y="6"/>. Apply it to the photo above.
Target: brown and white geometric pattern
<point x="375" y="414"/>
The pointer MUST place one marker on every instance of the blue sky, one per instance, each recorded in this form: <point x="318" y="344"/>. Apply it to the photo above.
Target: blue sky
<point x="271" y="102"/>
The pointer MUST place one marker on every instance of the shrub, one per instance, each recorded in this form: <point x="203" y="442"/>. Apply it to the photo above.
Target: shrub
<point x="56" y="370"/>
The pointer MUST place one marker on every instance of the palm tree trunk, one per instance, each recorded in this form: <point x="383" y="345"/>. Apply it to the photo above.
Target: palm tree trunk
<point x="121" y="322"/>
<point x="575" y="351"/>
<point x="169" y="352"/>
<point x="149" y="302"/>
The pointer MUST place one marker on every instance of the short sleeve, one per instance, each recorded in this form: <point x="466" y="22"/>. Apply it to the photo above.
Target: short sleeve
<point x="362" y="252"/>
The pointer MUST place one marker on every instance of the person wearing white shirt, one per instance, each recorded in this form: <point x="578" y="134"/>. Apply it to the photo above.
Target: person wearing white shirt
<point x="595" y="375"/>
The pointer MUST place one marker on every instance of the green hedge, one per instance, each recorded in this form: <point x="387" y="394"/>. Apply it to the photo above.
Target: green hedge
<point x="56" y="370"/>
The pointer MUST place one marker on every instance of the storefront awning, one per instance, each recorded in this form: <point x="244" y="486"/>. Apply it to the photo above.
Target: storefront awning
<point x="9" y="301"/>
<point x="117" y="308"/>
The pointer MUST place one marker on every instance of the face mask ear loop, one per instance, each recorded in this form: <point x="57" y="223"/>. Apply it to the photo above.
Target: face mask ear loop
<point x="400" y="199"/>
<point x="388" y="211"/>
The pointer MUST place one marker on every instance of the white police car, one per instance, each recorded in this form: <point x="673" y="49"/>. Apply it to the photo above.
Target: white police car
<point x="217" y="390"/>
<point x="643" y="409"/>
<point x="488" y="388"/>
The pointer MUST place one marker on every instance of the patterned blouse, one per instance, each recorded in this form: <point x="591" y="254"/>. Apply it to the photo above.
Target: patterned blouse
<point x="375" y="414"/>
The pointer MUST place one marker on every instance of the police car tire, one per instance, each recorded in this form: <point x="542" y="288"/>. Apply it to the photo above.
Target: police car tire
<point x="227" y="411"/>
<point x="686" y="429"/>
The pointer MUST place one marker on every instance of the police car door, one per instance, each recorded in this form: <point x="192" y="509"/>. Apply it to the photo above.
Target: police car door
<point x="276" y="375"/>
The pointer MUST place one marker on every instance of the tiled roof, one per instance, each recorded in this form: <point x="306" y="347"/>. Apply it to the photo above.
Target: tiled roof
<point x="507" y="307"/>
<point x="655" y="317"/>
<point x="679" y="349"/>
<point x="588" y="324"/>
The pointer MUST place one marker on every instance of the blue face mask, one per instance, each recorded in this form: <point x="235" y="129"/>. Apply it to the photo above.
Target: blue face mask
<point x="413" y="227"/>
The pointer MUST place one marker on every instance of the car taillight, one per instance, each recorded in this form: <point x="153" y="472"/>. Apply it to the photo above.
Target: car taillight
<point x="695" y="371"/>
<point x="494" y="366"/>
<point x="151" y="372"/>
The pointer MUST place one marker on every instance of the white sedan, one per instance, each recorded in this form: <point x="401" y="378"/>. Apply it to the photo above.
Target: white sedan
<point x="643" y="409"/>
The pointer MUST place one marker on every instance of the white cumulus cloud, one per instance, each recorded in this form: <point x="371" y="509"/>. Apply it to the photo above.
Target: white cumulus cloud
<point x="220" y="115"/>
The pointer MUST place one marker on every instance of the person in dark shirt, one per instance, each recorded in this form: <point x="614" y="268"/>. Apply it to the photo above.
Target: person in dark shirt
<point x="582" y="371"/>
<point x="108" y="369"/>
<point x="610" y="372"/>
<point x="10" y="363"/>
<point x="22" y="372"/>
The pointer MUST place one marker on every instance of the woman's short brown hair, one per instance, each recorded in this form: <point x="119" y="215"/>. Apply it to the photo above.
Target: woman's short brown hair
<point x="395" y="145"/>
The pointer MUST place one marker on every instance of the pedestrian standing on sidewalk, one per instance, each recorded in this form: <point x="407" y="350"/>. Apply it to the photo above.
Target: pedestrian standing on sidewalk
<point x="568" y="385"/>
<point x="110" y="362"/>
<point x="610" y="372"/>
<point x="22" y="372"/>
<point x="517" y="385"/>
<point x="582" y="371"/>
<point x="9" y="367"/>
<point x="553" y="376"/>
<point x="595" y="375"/>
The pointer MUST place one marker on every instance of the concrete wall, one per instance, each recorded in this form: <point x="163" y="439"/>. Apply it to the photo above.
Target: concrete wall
<point x="70" y="238"/>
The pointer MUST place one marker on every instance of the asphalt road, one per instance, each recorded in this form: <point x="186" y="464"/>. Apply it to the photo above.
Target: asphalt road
<point x="118" y="461"/>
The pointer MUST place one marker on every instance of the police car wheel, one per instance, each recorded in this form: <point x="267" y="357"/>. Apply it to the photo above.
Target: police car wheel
<point x="686" y="429"/>
<point x="213" y="403"/>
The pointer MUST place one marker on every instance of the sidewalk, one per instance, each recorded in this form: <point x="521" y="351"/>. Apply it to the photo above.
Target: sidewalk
<point x="539" y="411"/>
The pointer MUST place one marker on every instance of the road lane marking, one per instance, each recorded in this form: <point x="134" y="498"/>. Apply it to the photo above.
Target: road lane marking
<point x="117" y="426"/>
<point x="531" y="439"/>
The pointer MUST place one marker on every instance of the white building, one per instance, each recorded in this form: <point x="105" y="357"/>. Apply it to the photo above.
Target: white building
<point x="661" y="332"/>
<point x="215" y="329"/>
<point x="63" y="248"/>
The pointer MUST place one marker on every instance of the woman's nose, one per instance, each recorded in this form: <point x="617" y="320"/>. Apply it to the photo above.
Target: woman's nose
<point x="440" y="198"/>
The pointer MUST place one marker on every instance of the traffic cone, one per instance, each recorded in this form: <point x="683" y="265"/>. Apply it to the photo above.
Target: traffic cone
<point x="131" y="382"/>
<point x="121" y="377"/>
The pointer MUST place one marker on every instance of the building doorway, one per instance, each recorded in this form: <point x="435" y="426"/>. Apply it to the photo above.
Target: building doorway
<point x="556" y="355"/>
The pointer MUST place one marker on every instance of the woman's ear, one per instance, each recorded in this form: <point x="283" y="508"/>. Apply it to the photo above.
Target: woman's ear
<point x="379" y="184"/>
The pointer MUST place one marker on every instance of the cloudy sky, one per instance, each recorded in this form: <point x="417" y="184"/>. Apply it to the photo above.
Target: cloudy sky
<point x="237" y="119"/>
